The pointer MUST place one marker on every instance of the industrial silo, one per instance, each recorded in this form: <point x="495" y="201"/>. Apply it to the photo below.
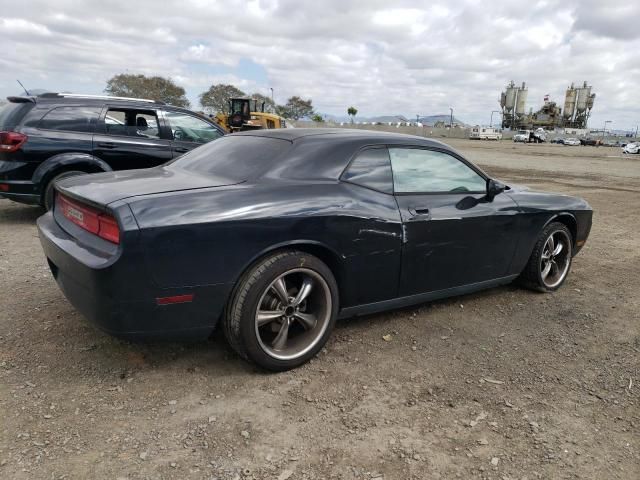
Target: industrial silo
<point x="521" y="101"/>
<point x="570" y="102"/>
<point x="584" y="93"/>
<point x="510" y="97"/>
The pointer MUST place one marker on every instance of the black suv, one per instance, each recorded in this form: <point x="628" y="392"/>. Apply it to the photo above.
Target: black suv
<point x="51" y="136"/>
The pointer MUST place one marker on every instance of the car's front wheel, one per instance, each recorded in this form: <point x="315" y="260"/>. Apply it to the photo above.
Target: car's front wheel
<point x="550" y="260"/>
<point x="282" y="311"/>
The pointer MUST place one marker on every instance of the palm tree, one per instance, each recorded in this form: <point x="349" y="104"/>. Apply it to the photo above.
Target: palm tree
<point x="352" y="112"/>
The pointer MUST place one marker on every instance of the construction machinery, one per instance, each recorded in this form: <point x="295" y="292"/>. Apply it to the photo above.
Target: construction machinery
<point x="577" y="109"/>
<point x="248" y="114"/>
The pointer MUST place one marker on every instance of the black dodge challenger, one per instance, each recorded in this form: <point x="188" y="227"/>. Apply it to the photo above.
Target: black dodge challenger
<point x="278" y="233"/>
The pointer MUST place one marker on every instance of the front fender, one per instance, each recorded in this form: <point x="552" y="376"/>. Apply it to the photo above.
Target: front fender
<point x="64" y="160"/>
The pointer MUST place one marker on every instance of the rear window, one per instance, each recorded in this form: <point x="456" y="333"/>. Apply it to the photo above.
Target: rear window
<point x="71" y="119"/>
<point x="233" y="157"/>
<point x="11" y="114"/>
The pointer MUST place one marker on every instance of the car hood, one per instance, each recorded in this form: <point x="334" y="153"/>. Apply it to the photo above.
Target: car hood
<point x="108" y="187"/>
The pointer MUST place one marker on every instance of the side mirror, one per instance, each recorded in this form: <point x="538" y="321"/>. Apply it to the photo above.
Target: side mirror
<point x="494" y="187"/>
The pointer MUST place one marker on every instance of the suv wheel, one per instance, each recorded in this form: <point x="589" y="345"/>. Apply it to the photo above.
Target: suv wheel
<point x="47" y="198"/>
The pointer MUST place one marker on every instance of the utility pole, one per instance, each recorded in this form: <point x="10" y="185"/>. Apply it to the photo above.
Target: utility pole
<point x="451" y="119"/>
<point x="604" y="130"/>
<point x="271" y="88"/>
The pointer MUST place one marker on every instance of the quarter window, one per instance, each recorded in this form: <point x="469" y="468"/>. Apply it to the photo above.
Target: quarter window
<point x="70" y="119"/>
<point x="371" y="168"/>
<point x="429" y="171"/>
<point x="191" y="129"/>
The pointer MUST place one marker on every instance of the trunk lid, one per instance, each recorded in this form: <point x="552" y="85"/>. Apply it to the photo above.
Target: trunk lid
<point x="101" y="189"/>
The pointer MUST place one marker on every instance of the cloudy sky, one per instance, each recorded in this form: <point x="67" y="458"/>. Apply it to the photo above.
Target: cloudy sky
<point x="384" y="57"/>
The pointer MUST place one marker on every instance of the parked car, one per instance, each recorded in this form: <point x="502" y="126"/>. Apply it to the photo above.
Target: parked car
<point x="633" y="147"/>
<point x="274" y="234"/>
<point x="53" y="136"/>
<point x="571" y="141"/>
<point x="594" y="142"/>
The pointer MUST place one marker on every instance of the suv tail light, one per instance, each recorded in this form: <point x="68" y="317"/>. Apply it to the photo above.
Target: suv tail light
<point x="11" y="141"/>
<point x="88" y="218"/>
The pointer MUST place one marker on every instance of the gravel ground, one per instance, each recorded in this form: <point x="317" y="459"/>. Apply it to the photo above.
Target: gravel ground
<point x="503" y="384"/>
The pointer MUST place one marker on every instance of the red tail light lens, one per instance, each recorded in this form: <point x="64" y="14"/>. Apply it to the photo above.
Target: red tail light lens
<point x="88" y="218"/>
<point x="11" y="141"/>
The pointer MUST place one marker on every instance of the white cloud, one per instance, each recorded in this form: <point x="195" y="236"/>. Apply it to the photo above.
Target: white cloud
<point x="404" y="57"/>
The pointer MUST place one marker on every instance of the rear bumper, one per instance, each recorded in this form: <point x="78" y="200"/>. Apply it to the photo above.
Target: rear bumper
<point x="20" y="191"/>
<point x="117" y="295"/>
<point x="16" y="181"/>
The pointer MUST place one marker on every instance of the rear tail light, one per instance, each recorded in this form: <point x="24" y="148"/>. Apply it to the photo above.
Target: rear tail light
<point x="11" y="141"/>
<point x="88" y="218"/>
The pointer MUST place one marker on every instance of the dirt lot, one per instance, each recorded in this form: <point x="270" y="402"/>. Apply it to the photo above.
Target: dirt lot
<point x="504" y="384"/>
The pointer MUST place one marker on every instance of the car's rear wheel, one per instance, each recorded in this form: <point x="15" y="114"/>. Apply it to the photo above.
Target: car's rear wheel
<point x="550" y="261"/>
<point x="282" y="311"/>
<point x="47" y="198"/>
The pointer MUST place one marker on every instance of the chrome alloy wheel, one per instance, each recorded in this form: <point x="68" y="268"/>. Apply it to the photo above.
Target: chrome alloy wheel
<point x="555" y="259"/>
<point x="293" y="314"/>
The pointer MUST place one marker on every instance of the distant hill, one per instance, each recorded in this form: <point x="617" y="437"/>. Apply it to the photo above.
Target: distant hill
<point x="426" y="120"/>
<point x="433" y="119"/>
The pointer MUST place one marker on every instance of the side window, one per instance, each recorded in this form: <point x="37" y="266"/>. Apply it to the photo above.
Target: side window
<point x="71" y="119"/>
<point x="427" y="171"/>
<point x="189" y="128"/>
<point x="371" y="168"/>
<point x="131" y="123"/>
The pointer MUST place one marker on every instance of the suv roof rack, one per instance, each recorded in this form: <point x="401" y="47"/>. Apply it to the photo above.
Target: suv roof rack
<point x="102" y="97"/>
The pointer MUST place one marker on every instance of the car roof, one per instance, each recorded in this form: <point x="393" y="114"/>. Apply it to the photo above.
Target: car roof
<point x="324" y="153"/>
<point x="336" y="135"/>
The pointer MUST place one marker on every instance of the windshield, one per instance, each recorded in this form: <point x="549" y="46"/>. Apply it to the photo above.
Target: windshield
<point x="12" y="114"/>
<point x="234" y="157"/>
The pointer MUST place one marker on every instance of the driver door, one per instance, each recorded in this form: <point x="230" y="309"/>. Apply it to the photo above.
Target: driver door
<point x="454" y="235"/>
<point x="189" y="131"/>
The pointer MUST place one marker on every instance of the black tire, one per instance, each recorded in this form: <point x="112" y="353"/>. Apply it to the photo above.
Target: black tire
<point x="47" y="197"/>
<point x="240" y="322"/>
<point x="532" y="276"/>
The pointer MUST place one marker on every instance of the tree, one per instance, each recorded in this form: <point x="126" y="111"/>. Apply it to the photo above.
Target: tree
<point x="317" y="118"/>
<point x="352" y="112"/>
<point x="296" y="108"/>
<point x="140" y="86"/>
<point x="269" y="105"/>
<point x="218" y="96"/>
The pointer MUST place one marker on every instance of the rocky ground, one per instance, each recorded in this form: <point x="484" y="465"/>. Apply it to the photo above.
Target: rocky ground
<point x="503" y="384"/>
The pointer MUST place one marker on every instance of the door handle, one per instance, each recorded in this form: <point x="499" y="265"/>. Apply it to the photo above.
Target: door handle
<point x="180" y="149"/>
<point x="419" y="211"/>
<point x="106" y="145"/>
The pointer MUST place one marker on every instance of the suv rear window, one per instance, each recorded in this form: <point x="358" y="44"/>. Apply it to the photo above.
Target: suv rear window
<point x="12" y="113"/>
<point x="71" y="119"/>
<point x="236" y="158"/>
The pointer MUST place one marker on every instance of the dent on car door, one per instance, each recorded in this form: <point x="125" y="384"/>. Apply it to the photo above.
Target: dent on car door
<point x="375" y="233"/>
<point x="131" y="138"/>
<point x="189" y="131"/>
<point x="454" y="234"/>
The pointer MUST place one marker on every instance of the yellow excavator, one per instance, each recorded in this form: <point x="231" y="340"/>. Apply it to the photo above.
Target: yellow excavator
<point x="248" y="114"/>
